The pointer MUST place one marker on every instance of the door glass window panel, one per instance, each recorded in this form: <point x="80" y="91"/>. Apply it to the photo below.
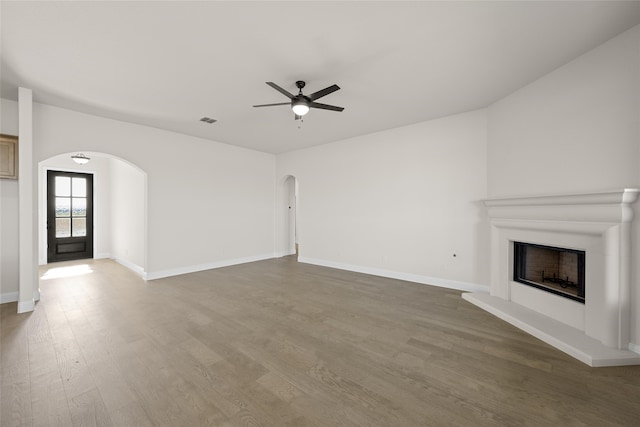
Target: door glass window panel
<point x="63" y="186"/>
<point x="63" y="227"/>
<point x="79" y="206"/>
<point x="63" y="207"/>
<point x="69" y="215"/>
<point x="79" y="187"/>
<point x="79" y="227"/>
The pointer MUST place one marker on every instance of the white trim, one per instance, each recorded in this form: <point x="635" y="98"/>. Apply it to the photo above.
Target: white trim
<point x="284" y="253"/>
<point x="9" y="297"/>
<point x="570" y="340"/>
<point x="26" y="306"/>
<point x="613" y="197"/>
<point x="634" y="347"/>
<point x="36" y="294"/>
<point x="131" y="266"/>
<point x="409" y="277"/>
<point x="208" y="266"/>
<point x="104" y="255"/>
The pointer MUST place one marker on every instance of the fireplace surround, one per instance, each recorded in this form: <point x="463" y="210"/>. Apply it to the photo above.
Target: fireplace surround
<point x="596" y="330"/>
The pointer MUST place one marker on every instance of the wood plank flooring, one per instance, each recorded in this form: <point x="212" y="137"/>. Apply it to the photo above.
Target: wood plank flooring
<point x="280" y="343"/>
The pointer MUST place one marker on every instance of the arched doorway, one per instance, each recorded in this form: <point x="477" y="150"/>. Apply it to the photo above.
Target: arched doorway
<point x="120" y="215"/>
<point x="289" y="234"/>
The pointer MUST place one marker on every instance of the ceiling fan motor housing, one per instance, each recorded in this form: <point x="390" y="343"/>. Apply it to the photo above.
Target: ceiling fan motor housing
<point x="300" y="99"/>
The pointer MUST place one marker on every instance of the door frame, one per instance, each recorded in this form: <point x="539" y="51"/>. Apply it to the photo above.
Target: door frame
<point x="50" y="213"/>
<point x="43" y="238"/>
<point x="288" y="229"/>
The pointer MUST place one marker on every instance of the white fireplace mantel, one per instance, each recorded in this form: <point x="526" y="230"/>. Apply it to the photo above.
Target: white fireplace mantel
<point x="598" y="331"/>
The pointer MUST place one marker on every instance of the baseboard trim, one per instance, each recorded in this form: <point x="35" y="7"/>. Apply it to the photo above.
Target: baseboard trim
<point x="634" y="347"/>
<point x="208" y="266"/>
<point x="9" y="297"/>
<point x="284" y="253"/>
<point x="416" y="278"/>
<point x="103" y="256"/>
<point x="131" y="266"/>
<point x="26" y="306"/>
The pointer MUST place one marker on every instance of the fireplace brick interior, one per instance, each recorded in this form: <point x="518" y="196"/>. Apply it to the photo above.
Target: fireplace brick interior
<point x="551" y="269"/>
<point x="563" y="265"/>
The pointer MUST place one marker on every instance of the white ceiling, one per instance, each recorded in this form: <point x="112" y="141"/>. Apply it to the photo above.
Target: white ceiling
<point x="167" y="64"/>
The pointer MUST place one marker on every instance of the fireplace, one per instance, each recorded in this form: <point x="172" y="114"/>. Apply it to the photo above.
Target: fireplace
<point x="590" y="318"/>
<point x="559" y="271"/>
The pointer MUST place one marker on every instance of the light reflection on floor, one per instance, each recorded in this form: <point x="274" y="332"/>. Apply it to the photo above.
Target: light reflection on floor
<point x="70" y="271"/>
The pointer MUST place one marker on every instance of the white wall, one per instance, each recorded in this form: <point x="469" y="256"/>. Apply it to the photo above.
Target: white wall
<point x="8" y="213"/>
<point x="576" y="129"/>
<point x="398" y="203"/>
<point x="127" y="211"/>
<point x="207" y="203"/>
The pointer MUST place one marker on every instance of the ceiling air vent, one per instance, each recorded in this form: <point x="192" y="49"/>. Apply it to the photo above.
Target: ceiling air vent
<point x="208" y="120"/>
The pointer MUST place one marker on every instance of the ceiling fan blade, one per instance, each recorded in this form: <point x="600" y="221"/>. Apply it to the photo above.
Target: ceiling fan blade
<point x="324" y="92"/>
<point x="271" y="105"/>
<point x="325" y="106"/>
<point x="279" y="89"/>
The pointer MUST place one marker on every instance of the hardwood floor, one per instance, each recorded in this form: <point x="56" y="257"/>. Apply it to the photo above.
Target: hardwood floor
<point x="285" y="344"/>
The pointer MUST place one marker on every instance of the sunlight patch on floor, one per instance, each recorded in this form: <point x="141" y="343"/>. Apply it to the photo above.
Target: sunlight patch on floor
<point x="70" y="271"/>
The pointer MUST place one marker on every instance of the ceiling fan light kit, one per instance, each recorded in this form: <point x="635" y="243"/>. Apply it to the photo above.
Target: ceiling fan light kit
<point x="300" y="103"/>
<point x="300" y="107"/>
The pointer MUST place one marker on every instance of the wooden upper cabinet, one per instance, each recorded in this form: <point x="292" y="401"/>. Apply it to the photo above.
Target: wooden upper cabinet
<point x="8" y="156"/>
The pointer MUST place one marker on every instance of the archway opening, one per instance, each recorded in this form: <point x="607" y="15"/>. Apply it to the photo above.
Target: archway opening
<point x="290" y="235"/>
<point x="120" y="207"/>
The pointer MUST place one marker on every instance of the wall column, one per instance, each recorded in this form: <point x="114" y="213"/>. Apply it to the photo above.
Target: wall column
<point x="28" y="269"/>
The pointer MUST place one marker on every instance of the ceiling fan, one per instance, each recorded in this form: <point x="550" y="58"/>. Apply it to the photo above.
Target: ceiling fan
<point x="300" y="103"/>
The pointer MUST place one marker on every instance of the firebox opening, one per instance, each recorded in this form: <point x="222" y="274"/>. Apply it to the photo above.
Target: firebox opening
<point x="556" y="270"/>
